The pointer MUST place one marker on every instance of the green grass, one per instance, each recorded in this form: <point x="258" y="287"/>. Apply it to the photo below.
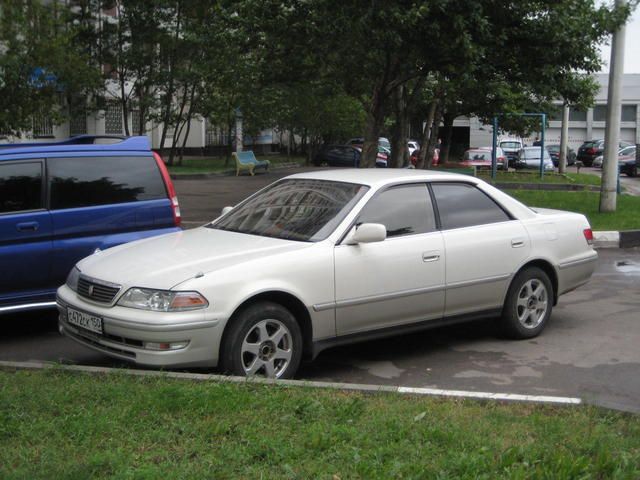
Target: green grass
<point x="61" y="425"/>
<point x="534" y="177"/>
<point x="626" y="216"/>
<point x="191" y="165"/>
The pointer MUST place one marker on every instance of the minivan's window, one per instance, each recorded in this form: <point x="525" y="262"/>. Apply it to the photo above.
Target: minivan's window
<point x="510" y="144"/>
<point x="20" y="187"/>
<point x="404" y="210"/>
<point x="463" y="205"/>
<point x="296" y="209"/>
<point x="83" y="182"/>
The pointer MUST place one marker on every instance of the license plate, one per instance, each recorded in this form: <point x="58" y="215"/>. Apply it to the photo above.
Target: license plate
<point x="84" y="320"/>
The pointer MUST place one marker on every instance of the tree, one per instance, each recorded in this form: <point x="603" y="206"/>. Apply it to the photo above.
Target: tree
<point x="40" y="64"/>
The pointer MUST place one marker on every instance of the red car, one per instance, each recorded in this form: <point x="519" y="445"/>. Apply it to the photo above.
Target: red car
<point x="413" y="158"/>
<point x="481" y="158"/>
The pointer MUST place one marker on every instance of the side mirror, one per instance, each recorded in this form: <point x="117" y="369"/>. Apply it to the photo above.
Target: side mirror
<point x="366" y="233"/>
<point x="226" y="210"/>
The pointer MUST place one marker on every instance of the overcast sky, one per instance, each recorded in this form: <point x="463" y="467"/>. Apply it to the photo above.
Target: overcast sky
<point x="631" y="51"/>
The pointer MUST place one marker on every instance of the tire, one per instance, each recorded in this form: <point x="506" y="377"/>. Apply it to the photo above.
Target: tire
<point x="528" y="305"/>
<point x="263" y="339"/>
<point x="633" y="172"/>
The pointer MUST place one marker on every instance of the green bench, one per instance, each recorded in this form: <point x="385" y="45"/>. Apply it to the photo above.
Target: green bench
<point x="248" y="161"/>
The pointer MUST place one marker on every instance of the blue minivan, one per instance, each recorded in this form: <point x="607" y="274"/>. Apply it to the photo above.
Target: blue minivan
<point x="60" y="202"/>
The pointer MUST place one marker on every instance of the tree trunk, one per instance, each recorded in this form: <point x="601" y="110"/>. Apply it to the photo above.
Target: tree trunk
<point x="564" y="138"/>
<point x="373" y="127"/>
<point x="448" y="134"/>
<point x="168" y="100"/>
<point x="433" y="138"/>
<point x="399" y="151"/>
<point x="426" y="135"/>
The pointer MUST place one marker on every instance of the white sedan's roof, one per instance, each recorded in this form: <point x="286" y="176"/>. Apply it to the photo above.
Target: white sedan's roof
<point x="376" y="177"/>
<point x="379" y="177"/>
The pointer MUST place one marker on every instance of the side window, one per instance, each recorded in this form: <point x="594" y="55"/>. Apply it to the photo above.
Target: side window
<point x="463" y="205"/>
<point x="404" y="210"/>
<point x="20" y="187"/>
<point x="83" y="182"/>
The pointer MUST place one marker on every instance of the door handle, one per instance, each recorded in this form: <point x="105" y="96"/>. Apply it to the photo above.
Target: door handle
<point x="27" y="226"/>
<point x="517" y="243"/>
<point x="430" y="256"/>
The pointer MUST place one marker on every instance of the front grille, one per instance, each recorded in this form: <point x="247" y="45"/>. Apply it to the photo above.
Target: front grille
<point x="97" y="291"/>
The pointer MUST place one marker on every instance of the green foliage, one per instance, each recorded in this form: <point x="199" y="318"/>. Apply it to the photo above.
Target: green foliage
<point x="39" y="37"/>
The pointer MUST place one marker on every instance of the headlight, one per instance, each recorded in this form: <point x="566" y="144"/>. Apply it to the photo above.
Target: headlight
<point x="72" y="279"/>
<point x="162" y="300"/>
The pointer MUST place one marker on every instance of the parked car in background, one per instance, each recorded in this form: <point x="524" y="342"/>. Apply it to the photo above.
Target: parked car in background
<point x="529" y="157"/>
<point x="413" y="158"/>
<point x="554" y="153"/>
<point x="62" y="201"/>
<point x="511" y="147"/>
<point x="629" y="164"/>
<point x="591" y="149"/>
<point x="337" y="156"/>
<point x="412" y="146"/>
<point x="326" y="258"/>
<point x="624" y="154"/>
<point x="481" y="158"/>
<point x="382" y="158"/>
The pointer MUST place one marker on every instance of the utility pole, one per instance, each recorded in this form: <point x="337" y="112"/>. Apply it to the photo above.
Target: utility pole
<point x="608" y="190"/>
<point x="564" y="138"/>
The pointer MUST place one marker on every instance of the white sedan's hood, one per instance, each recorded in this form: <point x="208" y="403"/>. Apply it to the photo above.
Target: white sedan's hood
<point x="165" y="261"/>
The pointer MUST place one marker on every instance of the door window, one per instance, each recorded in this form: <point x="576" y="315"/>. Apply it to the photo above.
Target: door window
<point x="463" y="205"/>
<point x="83" y="182"/>
<point x="20" y="187"/>
<point x="403" y="210"/>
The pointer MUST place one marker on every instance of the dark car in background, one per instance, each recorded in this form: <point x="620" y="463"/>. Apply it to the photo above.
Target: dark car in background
<point x="338" y="156"/>
<point x="63" y="201"/>
<point x="554" y="153"/>
<point x="628" y="161"/>
<point x="591" y="149"/>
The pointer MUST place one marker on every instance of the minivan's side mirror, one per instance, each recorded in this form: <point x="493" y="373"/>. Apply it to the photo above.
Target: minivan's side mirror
<point x="226" y="210"/>
<point x="366" y="233"/>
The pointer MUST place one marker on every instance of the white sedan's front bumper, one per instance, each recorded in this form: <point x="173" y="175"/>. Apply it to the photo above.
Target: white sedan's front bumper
<point x="125" y="330"/>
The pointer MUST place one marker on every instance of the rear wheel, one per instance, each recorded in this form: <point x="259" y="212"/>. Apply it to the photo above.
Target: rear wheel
<point x="263" y="340"/>
<point x="528" y="305"/>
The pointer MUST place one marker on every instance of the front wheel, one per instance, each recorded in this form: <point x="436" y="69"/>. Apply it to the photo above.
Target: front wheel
<point x="263" y="340"/>
<point x="528" y="305"/>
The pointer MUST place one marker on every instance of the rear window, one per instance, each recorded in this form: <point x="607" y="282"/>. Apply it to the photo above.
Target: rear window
<point x="477" y="155"/>
<point x="89" y="181"/>
<point x="510" y="145"/>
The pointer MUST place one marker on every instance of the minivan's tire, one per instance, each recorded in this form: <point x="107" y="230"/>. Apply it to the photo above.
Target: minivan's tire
<point x="263" y="339"/>
<point x="528" y="305"/>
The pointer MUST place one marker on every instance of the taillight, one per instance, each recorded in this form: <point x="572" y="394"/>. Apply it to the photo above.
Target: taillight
<point x="588" y="235"/>
<point x="175" y="206"/>
<point x="591" y="151"/>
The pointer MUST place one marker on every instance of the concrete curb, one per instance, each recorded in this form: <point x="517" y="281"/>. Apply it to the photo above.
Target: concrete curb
<point x="430" y="392"/>
<point x="611" y="239"/>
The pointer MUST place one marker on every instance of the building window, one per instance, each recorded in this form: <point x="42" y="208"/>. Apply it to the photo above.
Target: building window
<point x="216" y="136"/>
<point x="78" y="123"/>
<point x="135" y="122"/>
<point x="600" y="113"/>
<point x="113" y="119"/>
<point x="42" y="126"/>
<point x="628" y="113"/>
<point x="577" y="115"/>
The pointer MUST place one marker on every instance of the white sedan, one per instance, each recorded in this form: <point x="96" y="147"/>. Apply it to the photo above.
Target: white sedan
<point x="326" y="258"/>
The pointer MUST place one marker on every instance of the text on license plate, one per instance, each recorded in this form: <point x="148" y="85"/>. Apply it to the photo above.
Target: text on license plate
<point x="84" y="320"/>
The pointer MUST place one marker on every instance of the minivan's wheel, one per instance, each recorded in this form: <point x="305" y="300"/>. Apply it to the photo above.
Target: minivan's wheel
<point x="264" y="340"/>
<point x="528" y="305"/>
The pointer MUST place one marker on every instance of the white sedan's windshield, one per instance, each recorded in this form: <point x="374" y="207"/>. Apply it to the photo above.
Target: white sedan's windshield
<point x="297" y="209"/>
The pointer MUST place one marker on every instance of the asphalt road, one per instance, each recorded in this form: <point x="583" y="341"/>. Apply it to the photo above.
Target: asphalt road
<point x="589" y="349"/>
